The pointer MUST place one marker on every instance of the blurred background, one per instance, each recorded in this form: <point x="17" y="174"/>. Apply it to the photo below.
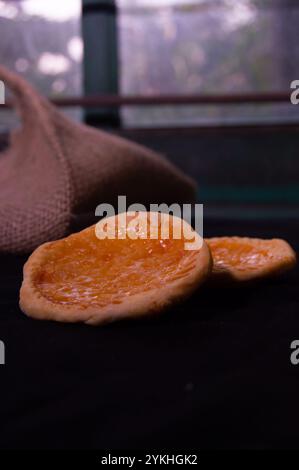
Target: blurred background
<point x="205" y="82"/>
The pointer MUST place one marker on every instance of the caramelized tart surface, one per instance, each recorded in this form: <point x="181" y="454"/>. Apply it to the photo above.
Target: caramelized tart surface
<point x="243" y="258"/>
<point x="83" y="278"/>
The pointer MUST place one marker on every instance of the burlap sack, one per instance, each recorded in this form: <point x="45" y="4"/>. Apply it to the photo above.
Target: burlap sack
<point x="55" y="168"/>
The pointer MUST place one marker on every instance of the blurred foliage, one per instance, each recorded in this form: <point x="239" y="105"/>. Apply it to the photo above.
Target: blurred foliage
<point x="172" y="46"/>
<point x="41" y="49"/>
<point x="208" y="46"/>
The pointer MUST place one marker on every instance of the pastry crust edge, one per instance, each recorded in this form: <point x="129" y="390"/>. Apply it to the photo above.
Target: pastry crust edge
<point x="155" y="301"/>
<point x="282" y="263"/>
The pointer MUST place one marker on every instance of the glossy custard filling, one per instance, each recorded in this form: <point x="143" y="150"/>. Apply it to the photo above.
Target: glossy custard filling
<point x="240" y="254"/>
<point x="83" y="270"/>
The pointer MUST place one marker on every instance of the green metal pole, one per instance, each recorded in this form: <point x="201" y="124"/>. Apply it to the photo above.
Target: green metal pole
<point x="99" y="30"/>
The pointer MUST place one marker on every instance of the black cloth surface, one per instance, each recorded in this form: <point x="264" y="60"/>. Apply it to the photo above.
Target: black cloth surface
<point x="214" y="372"/>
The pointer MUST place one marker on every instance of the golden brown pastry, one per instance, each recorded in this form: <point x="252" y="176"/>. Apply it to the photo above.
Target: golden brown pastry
<point x="82" y="278"/>
<point x="245" y="259"/>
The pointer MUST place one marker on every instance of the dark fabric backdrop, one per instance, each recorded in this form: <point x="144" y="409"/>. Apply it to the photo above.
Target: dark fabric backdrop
<point x="214" y="372"/>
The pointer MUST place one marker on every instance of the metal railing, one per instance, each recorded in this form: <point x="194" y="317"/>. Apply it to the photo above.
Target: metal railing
<point x="168" y="100"/>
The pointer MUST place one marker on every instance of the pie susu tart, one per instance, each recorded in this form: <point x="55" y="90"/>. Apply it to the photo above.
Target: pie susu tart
<point x="84" y="278"/>
<point x="246" y="259"/>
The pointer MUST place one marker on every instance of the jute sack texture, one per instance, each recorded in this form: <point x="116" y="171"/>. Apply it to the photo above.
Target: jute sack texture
<point x="55" y="168"/>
